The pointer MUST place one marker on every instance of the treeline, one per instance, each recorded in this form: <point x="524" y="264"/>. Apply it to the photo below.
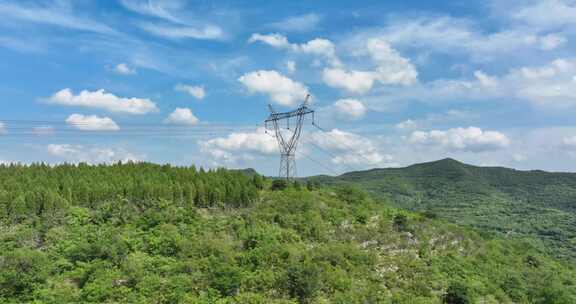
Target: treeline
<point x="42" y="190"/>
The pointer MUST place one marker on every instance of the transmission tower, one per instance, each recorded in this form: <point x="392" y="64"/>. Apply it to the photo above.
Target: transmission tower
<point x="288" y="138"/>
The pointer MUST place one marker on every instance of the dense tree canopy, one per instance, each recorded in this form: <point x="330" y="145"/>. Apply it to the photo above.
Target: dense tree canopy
<point x="142" y="233"/>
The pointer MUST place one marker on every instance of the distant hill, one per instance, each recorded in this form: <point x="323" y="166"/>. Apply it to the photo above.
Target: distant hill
<point x="535" y="204"/>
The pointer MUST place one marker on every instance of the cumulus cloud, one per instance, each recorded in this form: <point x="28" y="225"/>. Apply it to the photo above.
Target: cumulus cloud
<point x="470" y="139"/>
<point x="91" y="154"/>
<point x="351" y="149"/>
<point x="320" y="47"/>
<point x="124" y="69"/>
<point x="552" y="85"/>
<point x="350" y="109"/>
<point x="197" y="92"/>
<point x="182" y="116"/>
<point x="102" y="100"/>
<point x="301" y="23"/>
<point x="281" y="89"/>
<point x="356" y="82"/>
<point x="391" y="69"/>
<point x="549" y="87"/>
<point x="240" y="146"/>
<point x="91" y="123"/>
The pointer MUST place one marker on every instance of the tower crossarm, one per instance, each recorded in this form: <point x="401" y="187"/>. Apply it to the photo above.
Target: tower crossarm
<point x="286" y="115"/>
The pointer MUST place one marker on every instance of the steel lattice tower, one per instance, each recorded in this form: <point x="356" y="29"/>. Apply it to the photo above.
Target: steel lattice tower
<point x="288" y="138"/>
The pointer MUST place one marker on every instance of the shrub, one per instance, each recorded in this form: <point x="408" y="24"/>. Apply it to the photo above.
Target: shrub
<point x="279" y="184"/>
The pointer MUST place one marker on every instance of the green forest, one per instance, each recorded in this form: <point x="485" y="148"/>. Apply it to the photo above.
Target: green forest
<point x="535" y="205"/>
<point x="145" y="233"/>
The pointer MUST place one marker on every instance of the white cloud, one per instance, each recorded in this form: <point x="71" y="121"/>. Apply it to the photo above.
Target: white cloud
<point x="240" y="146"/>
<point x="551" y="41"/>
<point x="356" y="82"/>
<point x="318" y="46"/>
<point x="91" y="123"/>
<point x="2" y="128"/>
<point x="548" y="87"/>
<point x="391" y="69"/>
<point x="57" y="15"/>
<point x="197" y="92"/>
<point x="350" y="109"/>
<point x="408" y="124"/>
<point x="124" y="69"/>
<point x="174" y="26"/>
<point x="281" y="89"/>
<point x="350" y="148"/>
<point x="93" y="154"/>
<point x="274" y="40"/>
<point x="470" y="139"/>
<point x="302" y="23"/>
<point x="182" y="116"/>
<point x="102" y="100"/>
<point x="547" y="14"/>
<point x="290" y="66"/>
<point x="485" y="79"/>
<point x="461" y="36"/>
<point x="160" y="9"/>
<point x="206" y="32"/>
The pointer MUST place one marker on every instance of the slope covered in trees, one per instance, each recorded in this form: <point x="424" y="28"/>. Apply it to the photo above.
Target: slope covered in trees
<point x="534" y="204"/>
<point x="142" y="233"/>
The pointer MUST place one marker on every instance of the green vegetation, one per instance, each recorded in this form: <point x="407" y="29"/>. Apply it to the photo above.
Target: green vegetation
<point x="142" y="233"/>
<point x="537" y="205"/>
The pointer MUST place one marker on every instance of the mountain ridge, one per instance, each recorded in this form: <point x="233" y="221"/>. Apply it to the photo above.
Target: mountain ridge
<point x="532" y="204"/>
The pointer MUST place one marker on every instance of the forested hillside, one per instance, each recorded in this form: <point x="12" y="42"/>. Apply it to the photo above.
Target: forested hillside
<point x="516" y="204"/>
<point x="143" y="233"/>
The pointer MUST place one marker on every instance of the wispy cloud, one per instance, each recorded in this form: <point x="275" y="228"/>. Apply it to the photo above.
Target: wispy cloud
<point x="163" y="9"/>
<point x="206" y="32"/>
<point x="52" y="15"/>
<point x="301" y="23"/>
<point x="20" y="45"/>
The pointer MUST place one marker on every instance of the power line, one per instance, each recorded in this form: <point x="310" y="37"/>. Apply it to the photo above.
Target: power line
<point x="53" y="122"/>
<point x="318" y="163"/>
<point x="331" y="155"/>
<point x="345" y="145"/>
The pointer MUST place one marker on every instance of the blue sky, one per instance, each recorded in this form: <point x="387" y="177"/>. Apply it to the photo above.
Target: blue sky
<point x="188" y="82"/>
